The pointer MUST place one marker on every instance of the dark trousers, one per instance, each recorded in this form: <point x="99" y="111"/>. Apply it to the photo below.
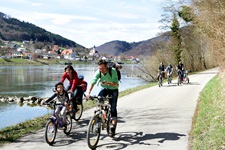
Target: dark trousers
<point x="76" y="96"/>
<point x="113" y="102"/>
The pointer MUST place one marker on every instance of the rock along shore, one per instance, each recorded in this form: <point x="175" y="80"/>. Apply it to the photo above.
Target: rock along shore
<point x="19" y="100"/>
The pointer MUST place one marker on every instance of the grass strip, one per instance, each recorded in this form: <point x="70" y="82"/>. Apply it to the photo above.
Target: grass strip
<point x="208" y="124"/>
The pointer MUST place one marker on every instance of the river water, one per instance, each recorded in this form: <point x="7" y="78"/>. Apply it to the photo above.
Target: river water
<point x="38" y="81"/>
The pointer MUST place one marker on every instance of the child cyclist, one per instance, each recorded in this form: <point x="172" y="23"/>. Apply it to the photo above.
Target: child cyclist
<point x="62" y="97"/>
<point x="83" y="84"/>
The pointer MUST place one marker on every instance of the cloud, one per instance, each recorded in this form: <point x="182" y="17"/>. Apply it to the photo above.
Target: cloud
<point x="90" y="22"/>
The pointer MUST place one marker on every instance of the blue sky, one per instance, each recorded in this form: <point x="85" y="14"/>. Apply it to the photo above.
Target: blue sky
<point x="91" y="22"/>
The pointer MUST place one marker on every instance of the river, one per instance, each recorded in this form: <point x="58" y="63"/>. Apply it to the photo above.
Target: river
<point x="38" y="81"/>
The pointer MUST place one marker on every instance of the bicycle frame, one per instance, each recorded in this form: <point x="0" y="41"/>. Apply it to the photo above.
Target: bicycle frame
<point x="57" y="121"/>
<point x="103" y="110"/>
<point x="99" y="121"/>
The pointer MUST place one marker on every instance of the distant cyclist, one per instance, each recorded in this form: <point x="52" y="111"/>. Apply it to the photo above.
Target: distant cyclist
<point x="180" y="69"/>
<point x="161" y="70"/>
<point x="169" y="70"/>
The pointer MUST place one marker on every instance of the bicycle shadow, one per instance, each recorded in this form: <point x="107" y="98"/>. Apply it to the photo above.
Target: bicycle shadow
<point x="139" y="138"/>
<point x="78" y="133"/>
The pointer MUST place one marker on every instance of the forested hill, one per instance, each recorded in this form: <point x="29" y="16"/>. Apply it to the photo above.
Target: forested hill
<point x="12" y="29"/>
<point x="141" y="48"/>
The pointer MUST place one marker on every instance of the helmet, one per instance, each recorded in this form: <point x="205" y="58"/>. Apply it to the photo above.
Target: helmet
<point x="81" y="77"/>
<point x="59" y="83"/>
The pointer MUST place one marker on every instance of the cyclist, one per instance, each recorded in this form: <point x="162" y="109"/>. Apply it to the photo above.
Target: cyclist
<point x="62" y="97"/>
<point x="83" y="84"/>
<point x="169" y="70"/>
<point x="109" y="84"/>
<point x="161" y="70"/>
<point x="180" y="69"/>
<point x="73" y="87"/>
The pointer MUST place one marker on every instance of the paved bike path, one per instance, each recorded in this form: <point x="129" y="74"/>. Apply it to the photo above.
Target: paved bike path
<point x="154" y="118"/>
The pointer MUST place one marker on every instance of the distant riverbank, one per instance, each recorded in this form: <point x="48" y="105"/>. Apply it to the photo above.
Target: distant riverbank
<point x="17" y="61"/>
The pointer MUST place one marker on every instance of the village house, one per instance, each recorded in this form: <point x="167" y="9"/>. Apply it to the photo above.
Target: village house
<point x="68" y="54"/>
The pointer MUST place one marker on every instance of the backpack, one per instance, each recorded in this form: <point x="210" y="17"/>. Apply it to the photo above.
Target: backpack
<point x="110" y="66"/>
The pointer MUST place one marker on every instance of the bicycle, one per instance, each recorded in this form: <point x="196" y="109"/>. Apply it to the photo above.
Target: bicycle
<point x="179" y="77"/>
<point x="186" y="78"/>
<point x="99" y="121"/>
<point x="169" y="78"/>
<point x="55" y="122"/>
<point x="78" y="113"/>
<point x="160" y="78"/>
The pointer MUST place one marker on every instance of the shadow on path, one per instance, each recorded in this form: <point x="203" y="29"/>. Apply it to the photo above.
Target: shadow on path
<point x="139" y="138"/>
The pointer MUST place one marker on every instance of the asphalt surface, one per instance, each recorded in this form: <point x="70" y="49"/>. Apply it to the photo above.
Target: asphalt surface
<point x="156" y="118"/>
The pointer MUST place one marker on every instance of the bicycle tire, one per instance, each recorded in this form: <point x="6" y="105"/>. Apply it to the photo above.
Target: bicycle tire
<point x="169" y="79"/>
<point x="50" y="128"/>
<point x="179" y="81"/>
<point x="94" y="130"/>
<point x="109" y="122"/>
<point x="68" y="128"/>
<point x="160" y="81"/>
<point x="79" y="112"/>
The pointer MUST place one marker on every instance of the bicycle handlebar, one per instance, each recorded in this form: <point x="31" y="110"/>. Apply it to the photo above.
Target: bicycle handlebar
<point x="93" y="97"/>
<point x="53" y="104"/>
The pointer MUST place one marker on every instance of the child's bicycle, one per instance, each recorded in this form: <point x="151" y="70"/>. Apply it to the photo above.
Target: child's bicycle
<point x="54" y="123"/>
<point x="99" y="121"/>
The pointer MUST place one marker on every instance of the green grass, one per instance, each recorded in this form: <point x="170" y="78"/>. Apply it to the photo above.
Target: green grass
<point x="208" y="130"/>
<point x="18" y="61"/>
<point x="10" y="134"/>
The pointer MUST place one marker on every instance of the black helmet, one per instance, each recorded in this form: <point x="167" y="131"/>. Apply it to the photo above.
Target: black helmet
<point x="59" y="83"/>
<point x="81" y="77"/>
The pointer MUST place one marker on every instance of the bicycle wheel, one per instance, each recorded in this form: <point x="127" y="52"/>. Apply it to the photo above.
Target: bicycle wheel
<point x="94" y="131"/>
<point x="170" y="80"/>
<point x="178" y="81"/>
<point x="69" y="124"/>
<point x="109" y="122"/>
<point x="79" y="112"/>
<point x="160" y="81"/>
<point x="50" y="132"/>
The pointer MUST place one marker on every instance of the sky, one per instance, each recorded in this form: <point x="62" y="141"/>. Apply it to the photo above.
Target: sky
<point x="91" y="22"/>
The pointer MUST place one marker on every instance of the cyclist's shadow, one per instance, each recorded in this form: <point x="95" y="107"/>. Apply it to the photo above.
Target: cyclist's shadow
<point x="140" y="137"/>
<point x="134" y="138"/>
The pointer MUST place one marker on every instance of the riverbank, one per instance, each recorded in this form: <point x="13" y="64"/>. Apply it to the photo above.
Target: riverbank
<point x="10" y="134"/>
<point x="16" y="61"/>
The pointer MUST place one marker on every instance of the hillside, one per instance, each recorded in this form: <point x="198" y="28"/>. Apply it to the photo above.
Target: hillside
<point x="142" y="48"/>
<point x="12" y="29"/>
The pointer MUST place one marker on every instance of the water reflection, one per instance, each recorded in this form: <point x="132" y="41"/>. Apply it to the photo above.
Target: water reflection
<point x="39" y="80"/>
